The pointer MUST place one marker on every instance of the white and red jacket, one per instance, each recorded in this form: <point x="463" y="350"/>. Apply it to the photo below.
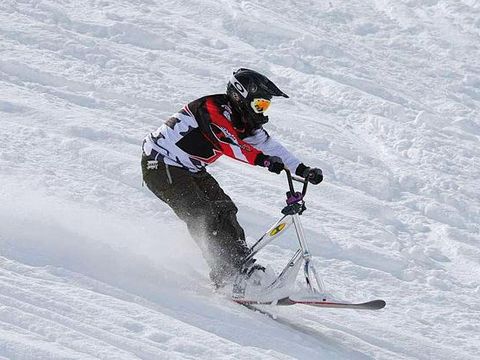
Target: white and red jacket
<point x="206" y="129"/>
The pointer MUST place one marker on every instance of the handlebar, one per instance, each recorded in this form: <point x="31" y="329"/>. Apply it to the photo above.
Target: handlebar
<point x="291" y="178"/>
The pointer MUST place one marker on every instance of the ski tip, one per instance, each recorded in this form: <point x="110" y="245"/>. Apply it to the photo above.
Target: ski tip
<point x="376" y="304"/>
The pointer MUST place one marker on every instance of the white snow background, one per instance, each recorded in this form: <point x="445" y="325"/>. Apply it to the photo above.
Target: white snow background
<point x="385" y="98"/>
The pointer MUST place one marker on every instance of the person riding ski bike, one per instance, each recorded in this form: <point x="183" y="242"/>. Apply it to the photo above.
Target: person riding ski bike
<point x="175" y="157"/>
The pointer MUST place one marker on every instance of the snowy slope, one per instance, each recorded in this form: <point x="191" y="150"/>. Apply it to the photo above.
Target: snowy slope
<point x="385" y="97"/>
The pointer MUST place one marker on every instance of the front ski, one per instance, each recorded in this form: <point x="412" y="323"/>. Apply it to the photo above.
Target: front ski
<point x="369" y="305"/>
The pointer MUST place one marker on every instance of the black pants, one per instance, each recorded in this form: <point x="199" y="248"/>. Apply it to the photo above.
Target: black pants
<point x="209" y="213"/>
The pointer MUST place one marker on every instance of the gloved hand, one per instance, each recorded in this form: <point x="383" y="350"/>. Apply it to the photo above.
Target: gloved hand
<point x="313" y="175"/>
<point x="274" y="164"/>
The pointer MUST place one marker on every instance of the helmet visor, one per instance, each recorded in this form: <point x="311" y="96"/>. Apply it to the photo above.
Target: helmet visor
<point x="260" y="105"/>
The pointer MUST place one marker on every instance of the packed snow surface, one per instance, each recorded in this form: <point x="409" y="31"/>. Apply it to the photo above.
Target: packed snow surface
<point x="384" y="97"/>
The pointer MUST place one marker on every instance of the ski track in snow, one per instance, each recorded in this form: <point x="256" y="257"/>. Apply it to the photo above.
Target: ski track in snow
<point x="385" y="98"/>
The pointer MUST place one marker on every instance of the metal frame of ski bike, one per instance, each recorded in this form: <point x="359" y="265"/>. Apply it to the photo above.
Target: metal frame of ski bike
<point x="291" y="215"/>
<point x="315" y="287"/>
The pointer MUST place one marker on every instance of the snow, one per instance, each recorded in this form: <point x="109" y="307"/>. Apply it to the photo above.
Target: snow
<point x="384" y="97"/>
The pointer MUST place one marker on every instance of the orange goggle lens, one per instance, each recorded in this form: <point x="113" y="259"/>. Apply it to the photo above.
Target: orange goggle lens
<point x="260" y="105"/>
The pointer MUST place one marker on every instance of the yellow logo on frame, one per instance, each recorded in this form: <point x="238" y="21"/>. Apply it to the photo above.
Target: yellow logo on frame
<point x="276" y="230"/>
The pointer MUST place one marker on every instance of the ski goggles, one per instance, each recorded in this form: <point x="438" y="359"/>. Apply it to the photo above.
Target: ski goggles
<point x="260" y="105"/>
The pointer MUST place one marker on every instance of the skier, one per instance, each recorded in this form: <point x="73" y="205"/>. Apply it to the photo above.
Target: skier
<point x="176" y="154"/>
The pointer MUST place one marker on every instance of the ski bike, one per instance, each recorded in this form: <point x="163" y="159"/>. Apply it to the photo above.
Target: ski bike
<point x="280" y="290"/>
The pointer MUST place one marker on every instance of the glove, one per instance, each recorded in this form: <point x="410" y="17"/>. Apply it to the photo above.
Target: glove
<point x="274" y="164"/>
<point x="313" y="175"/>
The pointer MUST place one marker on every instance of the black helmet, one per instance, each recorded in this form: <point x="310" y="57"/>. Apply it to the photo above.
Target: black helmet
<point x="250" y="94"/>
